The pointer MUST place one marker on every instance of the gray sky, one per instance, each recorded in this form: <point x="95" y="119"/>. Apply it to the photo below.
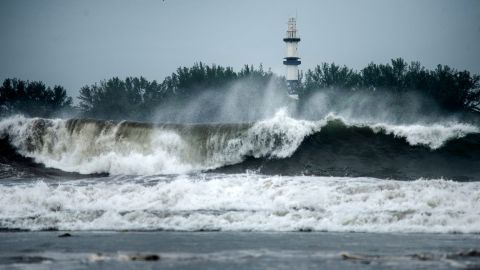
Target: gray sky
<point x="73" y="43"/>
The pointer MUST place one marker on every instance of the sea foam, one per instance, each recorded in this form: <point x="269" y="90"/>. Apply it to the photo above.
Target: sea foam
<point x="88" y="146"/>
<point x="243" y="202"/>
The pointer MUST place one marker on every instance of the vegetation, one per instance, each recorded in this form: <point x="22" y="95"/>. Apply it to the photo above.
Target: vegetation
<point x="115" y="98"/>
<point x="453" y="90"/>
<point x="136" y="98"/>
<point x="32" y="98"/>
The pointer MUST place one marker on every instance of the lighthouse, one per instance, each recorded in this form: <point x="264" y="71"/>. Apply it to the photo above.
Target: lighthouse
<point x="292" y="60"/>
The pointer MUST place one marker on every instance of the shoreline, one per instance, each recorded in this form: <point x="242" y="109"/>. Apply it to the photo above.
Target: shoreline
<point x="237" y="250"/>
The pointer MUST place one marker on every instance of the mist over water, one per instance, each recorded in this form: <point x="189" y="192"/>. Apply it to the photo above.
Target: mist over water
<point x="373" y="107"/>
<point x="243" y="101"/>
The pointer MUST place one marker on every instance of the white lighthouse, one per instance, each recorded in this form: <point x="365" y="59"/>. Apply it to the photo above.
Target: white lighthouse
<point x="292" y="60"/>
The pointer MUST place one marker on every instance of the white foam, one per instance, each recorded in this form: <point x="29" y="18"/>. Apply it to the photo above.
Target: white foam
<point x="244" y="202"/>
<point x="97" y="149"/>
<point x="433" y="135"/>
<point x="276" y="137"/>
<point x="102" y="148"/>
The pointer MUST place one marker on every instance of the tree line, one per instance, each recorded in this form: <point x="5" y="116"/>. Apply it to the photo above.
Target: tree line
<point x="135" y="97"/>
<point x="32" y="98"/>
<point x="452" y="90"/>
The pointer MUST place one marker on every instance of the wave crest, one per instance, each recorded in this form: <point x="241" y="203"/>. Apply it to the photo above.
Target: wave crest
<point x="93" y="146"/>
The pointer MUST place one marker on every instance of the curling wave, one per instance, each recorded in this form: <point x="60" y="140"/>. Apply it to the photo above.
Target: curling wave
<point x="280" y="145"/>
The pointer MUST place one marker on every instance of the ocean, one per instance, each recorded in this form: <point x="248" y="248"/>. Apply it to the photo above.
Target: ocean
<point x="275" y="193"/>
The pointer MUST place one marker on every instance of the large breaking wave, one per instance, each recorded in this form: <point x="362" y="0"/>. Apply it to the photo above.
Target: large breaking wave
<point x="90" y="146"/>
<point x="280" y="145"/>
<point x="331" y="174"/>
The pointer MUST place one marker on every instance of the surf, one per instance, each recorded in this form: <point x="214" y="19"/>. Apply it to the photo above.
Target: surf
<point x="331" y="146"/>
<point x="242" y="202"/>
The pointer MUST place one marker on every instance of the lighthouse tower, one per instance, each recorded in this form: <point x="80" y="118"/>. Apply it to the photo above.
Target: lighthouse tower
<point x="292" y="60"/>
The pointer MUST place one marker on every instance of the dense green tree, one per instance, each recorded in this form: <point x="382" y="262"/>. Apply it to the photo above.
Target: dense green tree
<point x="453" y="90"/>
<point x="137" y="98"/>
<point x="32" y="98"/>
<point x="187" y="82"/>
<point x="330" y="76"/>
<point x="119" y="99"/>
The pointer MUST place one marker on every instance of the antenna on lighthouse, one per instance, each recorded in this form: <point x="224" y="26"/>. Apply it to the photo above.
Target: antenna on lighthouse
<point x="291" y="61"/>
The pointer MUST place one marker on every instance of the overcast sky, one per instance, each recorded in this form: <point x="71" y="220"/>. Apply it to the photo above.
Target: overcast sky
<point x="73" y="43"/>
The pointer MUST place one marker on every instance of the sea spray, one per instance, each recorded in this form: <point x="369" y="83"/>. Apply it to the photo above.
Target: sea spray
<point x="94" y="146"/>
<point x="90" y="146"/>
